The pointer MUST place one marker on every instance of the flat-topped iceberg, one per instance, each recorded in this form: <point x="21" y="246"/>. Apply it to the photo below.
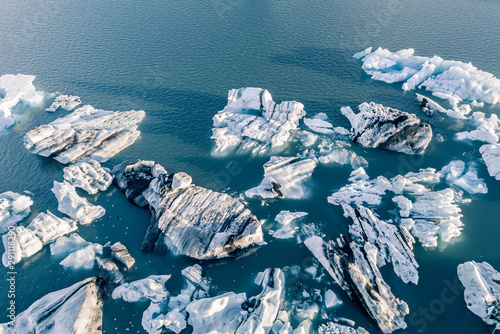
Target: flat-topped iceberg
<point x="482" y="291"/>
<point x="86" y="132"/>
<point x="319" y="124"/>
<point x="451" y="80"/>
<point x="253" y="122"/>
<point x="192" y="220"/>
<point x="89" y="176"/>
<point x="77" y="310"/>
<point x="354" y="268"/>
<point x="66" y="102"/>
<point x="13" y="208"/>
<point x="283" y="178"/>
<point x="75" y="206"/>
<point x="15" y="89"/>
<point x="388" y="128"/>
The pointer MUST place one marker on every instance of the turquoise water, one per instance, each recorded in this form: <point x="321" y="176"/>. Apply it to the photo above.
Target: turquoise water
<point x="177" y="59"/>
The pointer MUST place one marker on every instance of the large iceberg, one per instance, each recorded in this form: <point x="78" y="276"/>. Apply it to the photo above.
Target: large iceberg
<point x="77" y="310"/>
<point x="482" y="291"/>
<point x="191" y="220"/>
<point x="13" y="208"/>
<point x="253" y="122"/>
<point x="446" y="79"/>
<point x="388" y="128"/>
<point x="283" y="178"/>
<point x="89" y="176"/>
<point x="86" y="132"/>
<point x="75" y="206"/>
<point x="354" y="268"/>
<point x="15" y="89"/>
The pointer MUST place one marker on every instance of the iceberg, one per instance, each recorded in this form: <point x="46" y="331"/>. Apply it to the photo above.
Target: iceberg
<point x="192" y="221"/>
<point x="335" y="328"/>
<point x="429" y="106"/>
<point x="382" y="127"/>
<point x="482" y="291"/>
<point x="13" y="208"/>
<point x="354" y="268"/>
<point x="72" y="243"/>
<point x="89" y="176"/>
<point x="120" y="253"/>
<point x="66" y="102"/>
<point x="487" y="129"/>
<point x="253" y="122"/>
<point x="451" y="80"/>
<point x="284" y="218"/>
<point x="491" y="157"/>
<point x="85" y="133"/>
<point x="319" y="124"/>
<point x="283" y="178"/>
<point x="48" y="227"/>
<point x="77" y="310"/>
<point x="15" y="89"/>
<point x="74" y="206"/>
<point x="464" y="176"/>
<point x="109" y="270"/>
<point x="331" y="299"/>
<point x="151" y="288"/>
<point x="81" y="259"/>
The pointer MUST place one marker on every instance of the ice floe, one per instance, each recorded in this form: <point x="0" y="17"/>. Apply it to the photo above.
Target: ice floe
<point x="121" y="254"/>
<point x="89" y="176"/>
<point x="15" y="89"/>
<point x="452" y="80"/>
<point x="283" y="178"/>
<point x="253" y="122"/>
<point x="464" y="176"/>
<point x="331" y="299"/>
<point x="76" y="309"/>
<point x="109" y="270"/>
<point x="491" y="157"/>
<point x="487" y="129"/>
<point x="66" y="102"/>
<point x="192" y="221"/>
<point x="388" y="128"/>
<point x="319" y="124"/>
<point x="336" y="328"/>
<point x="86" y="132"/>
<point x="75" y="206"/>
<point x="81" y="259"/>
<point x="13" y="208"/>
<point x="285" y="218"/>
<point x="482" y="291"/>
<point x="151" y="288"/>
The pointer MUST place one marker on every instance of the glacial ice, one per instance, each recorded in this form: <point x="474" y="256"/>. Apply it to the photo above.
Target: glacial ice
<point x="75" y="206"/>
<point x="388" y="128"/>
<point x="319" y="124"/>
<point x="429" y="106"/>
<point x="89" y="176"/>
<point x="109" y="270"/>
<point x="76" y="309"/>
<point x="13" y="208"/>
<point x="72" y="243"/>
<point x="487" y="129"/>
<point x="15" y="89"/>
<point x="48" y="227"/>
<point x="331" y="299"/>
<point x="66" y="102"/>
<point x="491" y="157"/>
<point x="335" y="328"/>
<point x="81" y="259"/>
<point x="482" y="291"/>
<point x="151" y="288"/>
<point x="120" y="253"/>
<point x="253" y="122"/>
<point x="464" y="176"/>
<point x="86" y="132"/>
<point x="283" y="178"/>
<point x="192" y="221"/>
<point x="284" y="218"/>
<point x="452" y="80"/>
<point x="354" y="268"/>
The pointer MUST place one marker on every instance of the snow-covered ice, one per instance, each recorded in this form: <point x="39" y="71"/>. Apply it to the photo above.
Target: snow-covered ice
<point x="89" y="176"/>
<point x="491" y="157"/>
<point x="13" y="208"/>
<point x="464" y="176"/>
<point x="66" y="102"/>
<point x="150" y="288"/>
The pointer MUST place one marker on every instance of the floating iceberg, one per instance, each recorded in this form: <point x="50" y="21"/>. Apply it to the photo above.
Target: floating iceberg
<point x="15" y="89"/>
<point x="77" y="310"/>
<point x="482" y="291"/>
<point x="13" y="208"/>
<point x="335" y="328"/>
<point x="319" y="124"/>
<point x="86" y="132"/>
<point x="75" y="206"/>
<point x="491" y="157"/>
<point x="72" y="243"/>
<point x="388" y="128"/>
<point x="451" y="80"/>
<point x="109" y="270"/>
<point x="283" y="178"/>
<point x="48" y="227"/>
<point x="151" y="288"/>
<point x="354" y="268"/>
<point x="429" y="106"/>
<point x="120" y="253"/>
<point x="331" y="299"/>
<point x="191" y="221"/>
<point x="66" y="102"/>
<point x="81" y="259"/>
<point x="253" y="122"/>
<point x="284" y="218"/>
<point x="487" y="129"/>
<point x="464" y="176"/>
<point x="89" y="176"/>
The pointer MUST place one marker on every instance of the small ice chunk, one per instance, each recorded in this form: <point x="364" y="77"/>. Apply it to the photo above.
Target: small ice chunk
<point x="331" y="299"/>
<point x="319" y="124"/>
<point x="121" y="254"/>
<point x="181" y="180"/>
<point x="81" y="259"/>
<point x="150" y="288"/>
<point x="89" y="176"/>
<point x="13" y="208"/>
<point x="464" y="176"/>
<point x="66" y="102"/>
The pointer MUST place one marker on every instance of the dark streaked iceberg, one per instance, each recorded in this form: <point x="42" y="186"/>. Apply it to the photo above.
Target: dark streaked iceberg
<point x="86" y="132"/>
<point x="253" y="122"/>
<point x="188" y="220"/>
<point x="388" y="128"/>
<point x="77" y="310"/>
<point x="354" y="268"/>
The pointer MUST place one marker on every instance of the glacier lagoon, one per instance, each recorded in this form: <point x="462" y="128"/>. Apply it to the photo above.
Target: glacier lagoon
<point x="177" y="62"/>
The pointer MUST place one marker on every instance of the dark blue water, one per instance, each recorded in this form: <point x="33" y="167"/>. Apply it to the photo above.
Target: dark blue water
<point x="177" y="59"/>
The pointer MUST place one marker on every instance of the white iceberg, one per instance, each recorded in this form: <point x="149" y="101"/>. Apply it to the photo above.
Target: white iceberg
<point x="75" y="206"/>
<point x="13" y="208"/>
<point x="19" y="243"/>
<point x="283" y="178"/>
<point x="48" y="227"/>
<point x="491" y="157"/>
<point x="331" y="299"/>
<point x="151" y="288"/>
<point x="464" y="176"/>
<point x="89" y="176"/>
<point x="66" y="102"/>
<point x="284" y="218"/>
<point x="319" y="124"/>
<point x="72" y="243"/>
<point x="81" y="259"/>
<point x="253" y="122"/>
<point x="487" y="129"/>
<point x="86" y="132"/>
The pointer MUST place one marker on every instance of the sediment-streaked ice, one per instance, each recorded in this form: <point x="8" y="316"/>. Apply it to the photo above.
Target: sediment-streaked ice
<point x="13" y="208"/>
<point x="66" y="102"/>
<point x="85" y="133"/>
<point x="253" y="122"/>
<point x="89" y="176"/>
<point x="283" y="178"/>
